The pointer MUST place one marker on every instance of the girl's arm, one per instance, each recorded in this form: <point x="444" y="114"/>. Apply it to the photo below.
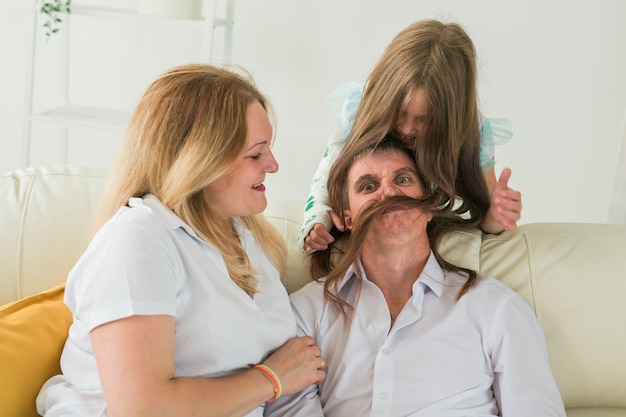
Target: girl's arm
<point x="506" y="204"/>
<point x="318" y="216"/>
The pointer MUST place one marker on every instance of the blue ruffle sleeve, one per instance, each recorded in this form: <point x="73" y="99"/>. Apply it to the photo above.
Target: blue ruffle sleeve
<point x="344" y="102"/>
<point x="492" y="132"/>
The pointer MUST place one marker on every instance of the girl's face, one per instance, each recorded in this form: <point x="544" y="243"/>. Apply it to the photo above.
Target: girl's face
<point x="241" y="192"/>
<point x="413" y="120"/>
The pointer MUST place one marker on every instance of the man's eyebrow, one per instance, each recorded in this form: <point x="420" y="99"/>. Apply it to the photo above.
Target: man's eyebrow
<point x="364" y="178"/>
<point x="404" y="170"/>
<point x="372" y="177"/>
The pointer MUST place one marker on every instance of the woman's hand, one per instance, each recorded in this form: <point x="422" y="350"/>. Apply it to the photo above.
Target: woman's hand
<point x="298" y="363"/>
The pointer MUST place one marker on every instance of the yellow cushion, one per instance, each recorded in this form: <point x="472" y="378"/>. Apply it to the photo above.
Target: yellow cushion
<point x="32" y="334"/>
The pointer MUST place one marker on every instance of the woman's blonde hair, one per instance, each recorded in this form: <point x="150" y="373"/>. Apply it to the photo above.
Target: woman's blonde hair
<point x="440" y="60"/>
<point x="188" y="130"/>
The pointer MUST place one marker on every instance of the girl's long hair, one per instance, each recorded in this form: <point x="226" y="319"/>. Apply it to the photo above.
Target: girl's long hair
<point x="440" y="60"/>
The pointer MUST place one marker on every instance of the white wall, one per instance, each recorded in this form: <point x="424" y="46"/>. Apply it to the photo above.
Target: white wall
<point x="554" y="68"/>
<point x="617" y="209"/>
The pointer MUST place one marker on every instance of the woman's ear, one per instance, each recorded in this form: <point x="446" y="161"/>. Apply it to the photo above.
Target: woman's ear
<point x="347" y="219"/>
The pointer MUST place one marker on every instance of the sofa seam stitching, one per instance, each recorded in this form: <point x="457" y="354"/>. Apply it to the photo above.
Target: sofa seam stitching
<point x="22" y="226"/>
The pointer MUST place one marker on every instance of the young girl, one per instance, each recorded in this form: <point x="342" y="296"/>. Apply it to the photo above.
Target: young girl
<point x="423" y="92"/>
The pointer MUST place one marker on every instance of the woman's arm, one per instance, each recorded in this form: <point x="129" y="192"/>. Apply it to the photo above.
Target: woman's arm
<point x="306" y="403"/>
<point x="135" y="359"/>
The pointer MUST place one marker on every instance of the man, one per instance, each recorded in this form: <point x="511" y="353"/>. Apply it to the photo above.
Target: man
<point x="404" y="332"/>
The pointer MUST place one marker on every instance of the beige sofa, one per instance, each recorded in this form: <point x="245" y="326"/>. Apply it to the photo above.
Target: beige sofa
<point x="573" y="275"/>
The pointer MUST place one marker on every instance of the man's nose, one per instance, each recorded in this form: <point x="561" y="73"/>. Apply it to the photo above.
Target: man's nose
<point x="390" y="190"/>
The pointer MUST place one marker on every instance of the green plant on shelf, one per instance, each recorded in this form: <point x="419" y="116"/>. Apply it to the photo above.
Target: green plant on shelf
<point x="52" y="11"/>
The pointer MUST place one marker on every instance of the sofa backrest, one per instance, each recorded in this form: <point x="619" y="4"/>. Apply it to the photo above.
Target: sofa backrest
<point x="286" y="215"/>
<point x="45" y="220"/>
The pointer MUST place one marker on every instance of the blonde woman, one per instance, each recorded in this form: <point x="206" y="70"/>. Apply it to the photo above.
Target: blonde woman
<point x="177" y="302"/>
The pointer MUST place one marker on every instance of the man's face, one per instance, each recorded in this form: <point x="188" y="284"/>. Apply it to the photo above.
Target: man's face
<point x="374" y="177"/>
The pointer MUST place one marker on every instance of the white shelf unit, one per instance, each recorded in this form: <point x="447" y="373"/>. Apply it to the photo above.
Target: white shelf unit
<point x="216" y="14"/>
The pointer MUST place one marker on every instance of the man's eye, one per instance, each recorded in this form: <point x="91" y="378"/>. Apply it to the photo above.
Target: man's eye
<point x="404" y="180"/>
<point x="368" y="187"/>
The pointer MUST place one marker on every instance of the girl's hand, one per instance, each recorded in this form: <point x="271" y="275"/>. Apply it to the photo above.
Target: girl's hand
<point x="319" y="238"/>
<point x="506" y="206"/>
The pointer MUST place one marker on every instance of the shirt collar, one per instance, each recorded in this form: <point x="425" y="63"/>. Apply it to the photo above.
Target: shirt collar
<point x="432" y="276"/>
<point x="152" y="203"/>
<point x="351" y="274"/>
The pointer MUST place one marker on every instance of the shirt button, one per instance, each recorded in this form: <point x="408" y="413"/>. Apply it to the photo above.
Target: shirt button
<point x="382" y="396"/>
<point x="385" y="351"/>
